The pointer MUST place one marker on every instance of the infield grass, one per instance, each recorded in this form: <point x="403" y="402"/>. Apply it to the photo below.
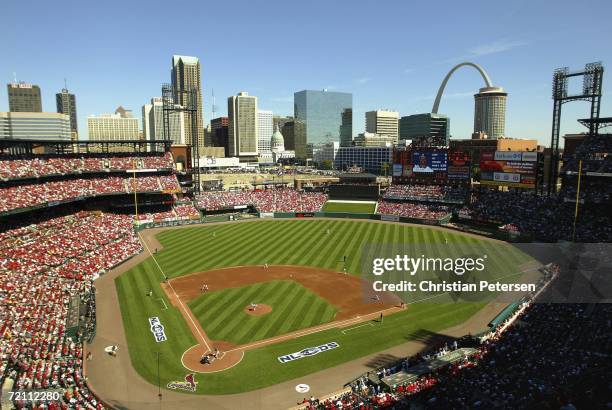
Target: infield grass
<point x="288" y="242"/>
<point x="294" y="307"/>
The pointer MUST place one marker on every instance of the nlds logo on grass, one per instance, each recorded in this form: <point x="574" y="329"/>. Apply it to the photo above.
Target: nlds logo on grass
<point x="309" y="351"/>
<point x="157" y="329"/>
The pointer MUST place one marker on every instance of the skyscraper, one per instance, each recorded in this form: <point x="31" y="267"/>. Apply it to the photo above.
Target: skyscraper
<point x="66" y="104"/>
<point x="120" y="126"/>
<point x="24" y="97"/>
<point x="186" y="77"/>
<point x="34" y="125"/>
<point x="321" y="117"/>
<point x="264" y="130"/>
<point x="219" y="130"/>
<point x="243" y="127"/>
<point x="153" y="122"/>
<point x="383" y="122"/>
<point x="429" y="125"/>
<point x="490" y="111"/>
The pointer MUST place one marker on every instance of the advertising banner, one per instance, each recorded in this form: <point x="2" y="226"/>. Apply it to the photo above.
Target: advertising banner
<point x="459" y="164"/>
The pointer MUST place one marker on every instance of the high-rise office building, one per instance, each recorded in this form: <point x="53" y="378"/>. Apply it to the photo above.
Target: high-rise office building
<point x="24" y="97"/>
<point x="428" y="125"/>
<point x="490" y="111"/>
<point x="243" y="127"/>
<point x="34" y="125"/>
<point x="346" y="128"/>
<point x="264" y="130"/>
<point x="153" y="124"/>
<point x="120" y="126"/>
<point x="66" y="104"/>
<point x="369" y="139"/>
<point x="219" y="130"/>
<point x="186" y="77"/>
<point x="321" y="117"/>
<point x="383" y="122"/>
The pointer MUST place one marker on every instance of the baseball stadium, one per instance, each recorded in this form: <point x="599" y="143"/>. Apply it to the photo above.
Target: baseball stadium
<point x="125" y="285"/>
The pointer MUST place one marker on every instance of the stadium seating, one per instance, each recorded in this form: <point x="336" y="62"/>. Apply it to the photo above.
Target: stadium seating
<point x="23" y="196"/>
<point x="40" y="166"/>
<point x="412" y="210"/>
<point x="544" y="218"/>
<point x="426" y="193"/>
<point x="41" y="267"/>
<point x="271" y="200"/>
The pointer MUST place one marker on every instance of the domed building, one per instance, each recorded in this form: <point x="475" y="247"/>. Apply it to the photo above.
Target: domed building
<point x="277" y="146"/>
<point x="277" y="143"/>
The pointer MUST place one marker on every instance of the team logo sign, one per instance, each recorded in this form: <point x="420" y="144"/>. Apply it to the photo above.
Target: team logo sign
<point x="309" y="351"/>
<point x="188" y="385"/>
<point x="157" y="329"/>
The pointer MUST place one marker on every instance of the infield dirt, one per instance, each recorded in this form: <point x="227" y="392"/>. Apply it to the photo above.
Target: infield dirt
<point x="353" y="297"/>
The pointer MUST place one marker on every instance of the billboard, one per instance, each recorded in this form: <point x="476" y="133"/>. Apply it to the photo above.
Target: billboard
<point x="509" y="168"/>
<point x="459" y="164"/>
<point x="429" y="162"/>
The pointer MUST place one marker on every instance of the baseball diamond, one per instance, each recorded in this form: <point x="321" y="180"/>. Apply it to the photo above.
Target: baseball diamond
<point x="301" y="276"/>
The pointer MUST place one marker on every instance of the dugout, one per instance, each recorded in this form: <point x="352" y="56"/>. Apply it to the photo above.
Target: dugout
<point x="361" y="186"/>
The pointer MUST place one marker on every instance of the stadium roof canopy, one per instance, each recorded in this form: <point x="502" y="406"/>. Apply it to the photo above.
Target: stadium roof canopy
<point x="602" y="122"/>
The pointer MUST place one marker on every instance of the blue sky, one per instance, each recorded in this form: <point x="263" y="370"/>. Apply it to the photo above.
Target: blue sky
<point x="391" y="54"/>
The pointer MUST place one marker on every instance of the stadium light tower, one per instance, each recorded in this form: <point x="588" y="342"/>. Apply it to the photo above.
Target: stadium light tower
<point x="591" y="91"/>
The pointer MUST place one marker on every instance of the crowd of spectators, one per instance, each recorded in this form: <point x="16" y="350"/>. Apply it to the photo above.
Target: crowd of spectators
<point x="595" y="152"/>
<point x="23" y="196"/>
<point x="545" y="355"/>
<point x="43" y="267"/>
<point x="181" y="211"/>
<point x="426" y="193"/>
<point x="412" y="210"/>
<point x="543" y="218"/>
<point x="270" y="200"/>
<point x="39" y="166"/>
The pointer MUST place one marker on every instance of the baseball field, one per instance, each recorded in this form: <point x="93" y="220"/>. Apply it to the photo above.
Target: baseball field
<point x="275" y="288"/>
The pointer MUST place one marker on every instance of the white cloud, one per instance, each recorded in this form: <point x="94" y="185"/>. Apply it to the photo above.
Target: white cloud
<point x="498" y="46"/>
<point x="363" y="80"/>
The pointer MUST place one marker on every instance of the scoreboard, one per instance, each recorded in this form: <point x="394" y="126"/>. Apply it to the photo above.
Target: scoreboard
<point x="435" y="165"/>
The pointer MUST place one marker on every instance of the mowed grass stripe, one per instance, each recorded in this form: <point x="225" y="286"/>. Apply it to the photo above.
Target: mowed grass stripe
<point x="282" y="306"/>
<point x="293" y="301"/>
<point x="220" y="253"/>
<point x="221" y="326"/>
<point x="306" y="235"/>
<point x="323" y="242"/>
<point x="339" y="246"/>
<point x="247" y="326"/>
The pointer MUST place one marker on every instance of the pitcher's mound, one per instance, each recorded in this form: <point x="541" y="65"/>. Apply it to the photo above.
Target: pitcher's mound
<point x="259" y="310"/>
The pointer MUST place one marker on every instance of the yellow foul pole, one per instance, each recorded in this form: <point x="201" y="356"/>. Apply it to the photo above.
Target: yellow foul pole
<point x="577" y="200"/>
<point x="135" y="189"/>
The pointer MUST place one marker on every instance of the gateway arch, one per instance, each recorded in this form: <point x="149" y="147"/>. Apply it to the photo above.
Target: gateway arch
<point x="481" y="70"/>
<point x="489" y="107"/>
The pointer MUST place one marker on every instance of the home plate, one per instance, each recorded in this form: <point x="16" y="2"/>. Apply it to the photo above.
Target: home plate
<point x="302" y="388"/>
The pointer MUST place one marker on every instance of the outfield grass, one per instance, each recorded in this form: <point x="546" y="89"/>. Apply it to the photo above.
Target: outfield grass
<point x="357" y="208"/>
<point x="289" y="242"/>
<point x="294" y="307"/>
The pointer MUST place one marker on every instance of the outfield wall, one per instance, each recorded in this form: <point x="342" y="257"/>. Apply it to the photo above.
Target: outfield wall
<point x="291" y="215"/>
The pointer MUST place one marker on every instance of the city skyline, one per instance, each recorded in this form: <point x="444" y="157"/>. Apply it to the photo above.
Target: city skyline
<point x="518" y="44"/>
